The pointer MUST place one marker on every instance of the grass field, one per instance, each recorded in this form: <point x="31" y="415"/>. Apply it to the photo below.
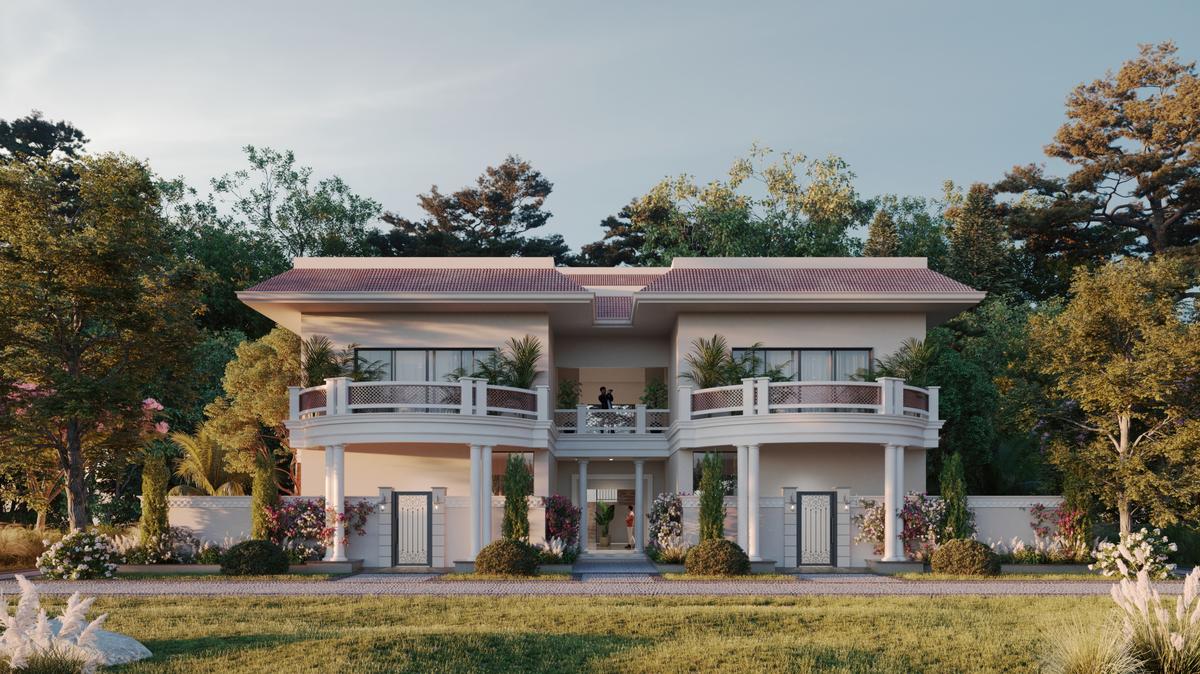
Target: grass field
<point x="557" y="634"/>
<point x="1093" y="577"/>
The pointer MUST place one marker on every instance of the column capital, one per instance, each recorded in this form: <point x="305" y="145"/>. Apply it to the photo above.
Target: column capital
<point x="583" y="462"/>
<point x="639" y="462"/>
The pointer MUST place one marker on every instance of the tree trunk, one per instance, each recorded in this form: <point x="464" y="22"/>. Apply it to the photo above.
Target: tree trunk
<point x="41" y="521"/>
<point x="72" y="459"/>
<point x="1124" y="421"/>
<point x="1125" y="518"/>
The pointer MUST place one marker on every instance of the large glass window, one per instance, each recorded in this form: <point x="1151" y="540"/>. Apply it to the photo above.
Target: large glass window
<point x="813" y="364"/>
<point x="421" y="364"/>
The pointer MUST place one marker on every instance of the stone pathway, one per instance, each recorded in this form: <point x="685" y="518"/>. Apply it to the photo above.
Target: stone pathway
<point x="615" y="567"/>
<point x="606" y="585"/>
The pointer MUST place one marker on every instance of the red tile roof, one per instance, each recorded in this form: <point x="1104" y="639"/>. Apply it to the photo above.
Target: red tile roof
<point x="878" y="280"/>
<point x="614" y="279"/>
<point x="610" y="307"/>
<point x="421" y="281"/>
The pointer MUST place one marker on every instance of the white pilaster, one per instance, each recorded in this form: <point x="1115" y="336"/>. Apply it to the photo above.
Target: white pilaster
<point x="337" y="502"/>
<point x="753" y="502"/>
<point x="639" y="507"/>
<point x="583" y="506"/>
<point x="893" y="502"/>
<point x="487" y="497"/>
<point x="743" y="497"/>
<point x="476" y="507"/>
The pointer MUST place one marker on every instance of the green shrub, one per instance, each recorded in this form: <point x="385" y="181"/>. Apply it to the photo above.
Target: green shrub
<point x="712" y="498"/>
<point x="959" y="521"/>
<point x="155" y="479"/>
<point x="264" y="493"/>
<point x="508" y="558"/>
<point x="717" y="557"/>
<point x="518" y="487"/>
<point x="965" y="558"/>
<point x="254" y="558"/>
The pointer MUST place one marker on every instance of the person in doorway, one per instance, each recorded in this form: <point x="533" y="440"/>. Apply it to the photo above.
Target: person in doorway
<point x="606" y="399"/>
<point x="629" y="528"/>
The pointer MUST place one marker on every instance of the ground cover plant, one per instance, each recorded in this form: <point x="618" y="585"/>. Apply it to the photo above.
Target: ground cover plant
<point x="600" y="634"/>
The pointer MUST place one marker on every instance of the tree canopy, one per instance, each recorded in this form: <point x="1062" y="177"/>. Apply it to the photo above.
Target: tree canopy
<point x="34" y="137"/>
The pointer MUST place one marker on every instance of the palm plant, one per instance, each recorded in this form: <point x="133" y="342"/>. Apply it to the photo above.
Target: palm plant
<point x="708" y="362"/>
<point x="911" y="362"/>
<point x="604" y="516"/>
<point x="514" y="365"/>
<point x="320" y="360"/>
<point x="202" y="466"/>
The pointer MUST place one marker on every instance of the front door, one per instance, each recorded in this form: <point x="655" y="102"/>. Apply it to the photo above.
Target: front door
<point x="412" y="528"/>
<point x="816" y="528"/>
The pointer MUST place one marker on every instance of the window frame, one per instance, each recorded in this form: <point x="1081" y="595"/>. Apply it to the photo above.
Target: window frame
<point x="796" y="361"/>
<point x="428" y="351"/>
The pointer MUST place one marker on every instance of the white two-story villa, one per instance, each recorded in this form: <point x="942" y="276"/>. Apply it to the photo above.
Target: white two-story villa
<point x="433" y="446"/>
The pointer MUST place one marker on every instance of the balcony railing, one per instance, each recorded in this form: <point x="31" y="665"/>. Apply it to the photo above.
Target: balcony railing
<point x="467" y="396"/>
<point x="623" y="419"/>
<point x="760" y="396"/>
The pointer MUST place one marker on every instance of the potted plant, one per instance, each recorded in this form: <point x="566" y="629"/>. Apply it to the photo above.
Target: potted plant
<point x="604" y="516"/>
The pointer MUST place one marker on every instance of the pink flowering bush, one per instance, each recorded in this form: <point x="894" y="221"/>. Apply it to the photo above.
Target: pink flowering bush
<point x="1060" y="535"/>
<point x="304" y="527"/>
<point x="922" y="517"/>
<point x="562" y="520"/>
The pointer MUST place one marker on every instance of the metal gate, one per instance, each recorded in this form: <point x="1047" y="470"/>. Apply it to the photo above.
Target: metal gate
<point x="816" y="528"/>
<point x="412" y="528"/>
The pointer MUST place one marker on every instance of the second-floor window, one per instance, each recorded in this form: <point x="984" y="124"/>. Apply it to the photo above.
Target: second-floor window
<point x="813" y="364"/>
<point x="421" y="364"/>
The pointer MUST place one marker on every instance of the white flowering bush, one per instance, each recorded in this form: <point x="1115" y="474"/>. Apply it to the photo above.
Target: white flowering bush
<point x="666" y="526"/>
<point x="1162" y="639"/>
<point x="1140" y="551"/>
<point x="79" y="555"/>
<point x="30" y="636"/>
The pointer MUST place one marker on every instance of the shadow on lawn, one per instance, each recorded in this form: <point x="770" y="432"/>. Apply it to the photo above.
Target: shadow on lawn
<point x="490" y="652"/>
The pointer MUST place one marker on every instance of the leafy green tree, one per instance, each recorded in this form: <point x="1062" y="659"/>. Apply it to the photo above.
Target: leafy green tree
<point x="882" y="238"/>
<point x="1125" y="365"/>
<point x="712" y="497"/>
<point x="96" y="312"/>
<point x="787" y="205"/>
<point x="30" y="476"/>
<point x="518" y="487"/>
<point x="622" y="244"/>
<point x="278" y="199"/>
<point x="959" y="521"/>
<point x="493" y="217"/>
<point x="979" y="253"/>
<point x="33" y="137"/>
<point x="155" y="479"/>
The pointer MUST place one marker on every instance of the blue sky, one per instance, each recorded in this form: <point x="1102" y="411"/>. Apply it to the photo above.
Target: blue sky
<point x="604" y="98"/>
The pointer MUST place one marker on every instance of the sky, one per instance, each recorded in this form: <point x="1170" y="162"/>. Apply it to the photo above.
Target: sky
<point x="604" y="98"/>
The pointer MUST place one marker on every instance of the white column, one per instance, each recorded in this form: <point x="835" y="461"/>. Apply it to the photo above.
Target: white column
<point x="743" y="497"/>
<point x="893" y="502"/>
<point x="583" y="506"/>
<point x="337" y="502"/>
<point x="487" y="497"/>
<point x="639" y="508"/>
<point x="752" y="494"/>
<point x="476" y="508"/>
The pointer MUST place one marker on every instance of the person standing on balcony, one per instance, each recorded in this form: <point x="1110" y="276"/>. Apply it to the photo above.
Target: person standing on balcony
<point x="606" y="399"/>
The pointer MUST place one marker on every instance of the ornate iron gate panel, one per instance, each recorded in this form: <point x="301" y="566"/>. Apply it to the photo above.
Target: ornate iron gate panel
<point x="412" y="528"/>
<point x="816" y="528"/>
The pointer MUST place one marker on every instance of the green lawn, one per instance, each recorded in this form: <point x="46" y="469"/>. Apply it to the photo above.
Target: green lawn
<point x="556" y="634"/>
<point x="1093" y="577"/>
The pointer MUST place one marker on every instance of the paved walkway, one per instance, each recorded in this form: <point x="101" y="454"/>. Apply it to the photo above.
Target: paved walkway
<point x="367" y="584"/>
<point x="615" y="567"/>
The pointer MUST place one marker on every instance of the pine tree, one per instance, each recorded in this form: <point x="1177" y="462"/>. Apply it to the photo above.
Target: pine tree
<point x="518" y="486"/>
<point x="264" y="493"/>
<point x="979" y="247"/>
<point x="883" y="240"/>
<point x="959" y="520"/>
<point x="712" y="498"/>
<point x="155" y="477"/>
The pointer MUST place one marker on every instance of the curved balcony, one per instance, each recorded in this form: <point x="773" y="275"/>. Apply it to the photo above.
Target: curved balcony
<point x="887" y="410"/>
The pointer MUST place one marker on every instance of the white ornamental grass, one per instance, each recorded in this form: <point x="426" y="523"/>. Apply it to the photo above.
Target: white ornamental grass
<point x="1164" y="640"/>
<point x="29" y="634"/>
<point x="554" y="548"/>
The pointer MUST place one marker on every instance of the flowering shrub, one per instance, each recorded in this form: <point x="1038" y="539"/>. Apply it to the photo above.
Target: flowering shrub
<point x="80" y="555"/>
<point x="922" y="517"/>
<point x="556" y="551"/>
<point x="562" y="520"/>
<point x="209" y="553"/>
<point x="670" y="551"/>
<point x="1060" y="535"/>
<point x="302" y="527"/>
<point x="666" y="521"/>
<point x="1139" y="552"/>
<point x="176" y="546"/>
<point x="1161" y="639"/>
<point x="29" y="640"/>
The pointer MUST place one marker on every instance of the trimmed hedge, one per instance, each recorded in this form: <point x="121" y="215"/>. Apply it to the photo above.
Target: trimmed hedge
<point x="508" y="558"/>
<point x="254" y="558"/>
<point x="965" y="558"/>
<point x="717" y="557"/>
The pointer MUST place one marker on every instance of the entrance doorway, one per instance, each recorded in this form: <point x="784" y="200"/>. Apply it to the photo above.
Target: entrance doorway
<point x="412" y="528"/>
<point x="816" y="528"/>
<point x="617" y="490"/>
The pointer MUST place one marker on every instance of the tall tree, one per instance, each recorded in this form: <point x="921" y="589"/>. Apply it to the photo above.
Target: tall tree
<point x="920" y="228"/>
<point x="882" y="238"/>
<point x="979" y="253"/>
<point x="277" y="198"/>
<point x="493" y="217"/>
<point x="1133" y="140"/>
<point x="769" y="205"/>
<point x="1125" y="358"/>
<point x="34" y="137"/>
<point x="622" y="244"/>
<point x="96" y="312"/>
